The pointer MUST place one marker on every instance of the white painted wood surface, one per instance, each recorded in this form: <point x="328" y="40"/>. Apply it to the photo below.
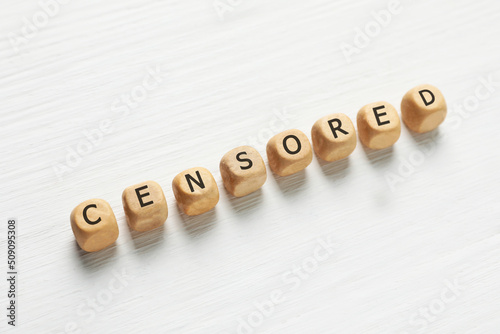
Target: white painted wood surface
<point x="420" y="257"/>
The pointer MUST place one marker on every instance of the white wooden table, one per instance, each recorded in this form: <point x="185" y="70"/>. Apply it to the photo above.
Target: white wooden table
<point x="405" y="240"/>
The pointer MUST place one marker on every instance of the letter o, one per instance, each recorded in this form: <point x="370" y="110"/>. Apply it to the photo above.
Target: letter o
<point x="100" y="297"/>
<point x="251" y="317"/>
<point x="312" y="267"/>
<point x="139" y="94"/>
<point x="84" y="147"/>
<point x="416" y="158"/>
<point x="285" y="146"/>
<point x="369" y="26"/>
<point x="40" y="15"/>
<point x="471" y="103"/>
<point x="440" y="305"/>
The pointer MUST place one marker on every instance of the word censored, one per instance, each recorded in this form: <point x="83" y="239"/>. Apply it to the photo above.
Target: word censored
<point x="243" y="170"/>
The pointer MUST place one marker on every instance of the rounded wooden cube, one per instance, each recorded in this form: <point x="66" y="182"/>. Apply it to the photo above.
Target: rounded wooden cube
<point x="94" y="225"/>
<point x="289" y="152"/>
<point x="243" y="171"/>
<point x="423" y="108"/>
<point x="195" y="191"/>
<point x="333" y="137"/>
<point x="378" y="125"/>
<point x="145" y="206"/>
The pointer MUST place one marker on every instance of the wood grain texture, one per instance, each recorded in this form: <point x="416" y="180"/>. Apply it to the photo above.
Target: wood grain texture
<point x="357" y="246"/>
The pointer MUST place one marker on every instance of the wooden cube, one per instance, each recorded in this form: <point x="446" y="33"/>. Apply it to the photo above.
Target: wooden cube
<point x="378" y="125"/>
<point x="423" y="108"/>
<point x="94" y="225"/>
<point x="243" y="171"/>
<point x="195" y="190"/>
<point x="289" y="152"/>
<point x="145" y="206"/>
<point x="333" y="137"/>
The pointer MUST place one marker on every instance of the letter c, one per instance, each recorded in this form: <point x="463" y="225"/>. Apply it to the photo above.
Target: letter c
<point x="87" y="218"/>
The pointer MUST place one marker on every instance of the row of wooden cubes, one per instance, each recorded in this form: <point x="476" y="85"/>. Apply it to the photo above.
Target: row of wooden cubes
<point x="243" y="170"/>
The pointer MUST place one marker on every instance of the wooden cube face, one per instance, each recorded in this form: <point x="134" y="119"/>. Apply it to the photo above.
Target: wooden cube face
<point x="378" y="125"/>
<point x="195" y="191"/>
<point x="145" y="206"/>
<point x="333" y="137"/>
<point x="94" y="225"/>
<point x="423" y="108"/>
<point x="289" y="152"/>
<point x="243" y="171"/>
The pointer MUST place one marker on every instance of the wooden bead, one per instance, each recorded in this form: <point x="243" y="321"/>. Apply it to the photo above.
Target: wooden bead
<point x="94" y="225"/>
<point x="333" y="137"/>
<point x="289" y="152"/>
<point x="423" y="108"/>
<point x="195" y="191"/>
<point x="145" y="206"/>
<point x="378" y="125"/>
<point x="243" y="171"/>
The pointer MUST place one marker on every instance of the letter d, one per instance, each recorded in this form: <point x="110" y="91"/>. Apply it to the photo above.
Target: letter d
<point x="361" y="40"/>
<point x="73" y="159"/>
<point x="405" y="168"/>
<point x="28" y="25"/>
<point x="243" y="327"/>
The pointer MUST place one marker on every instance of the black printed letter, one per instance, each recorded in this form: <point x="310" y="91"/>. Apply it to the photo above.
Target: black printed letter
<point x="87" y="218"/>
<point x="427" y="103"/>
<point x="338" y="128"/>
<point x="140" y="196"/>
<point x="198" y="182"/>
<point x="250" y="163"/>
<point x="299" y="146"/>
<point x="377" y="115"/>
